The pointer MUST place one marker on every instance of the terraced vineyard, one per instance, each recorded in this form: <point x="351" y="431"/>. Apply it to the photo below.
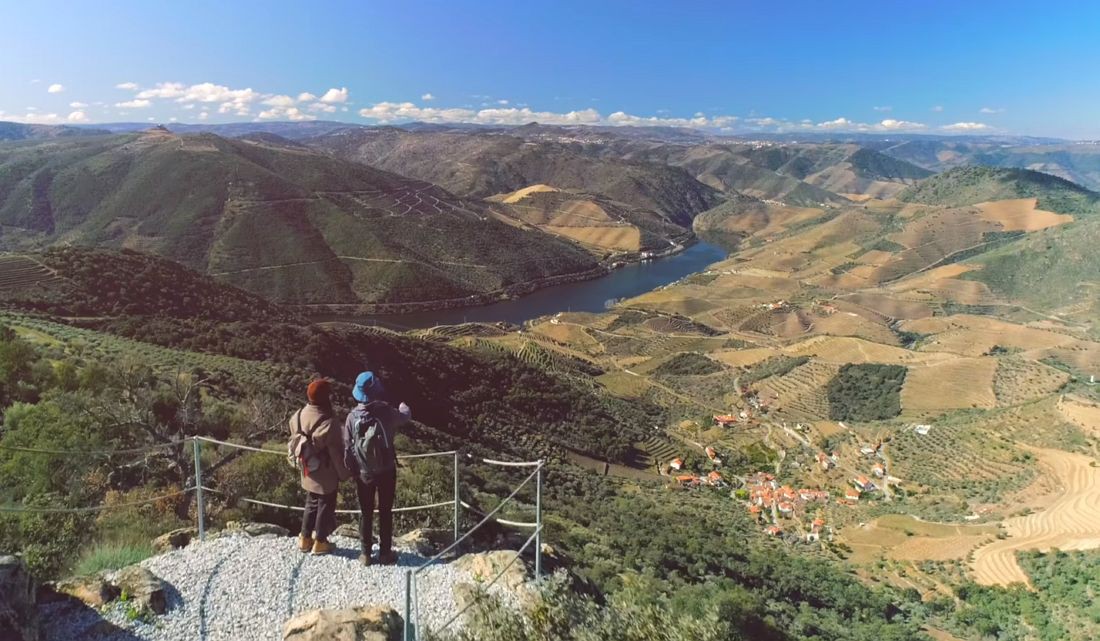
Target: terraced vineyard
<point x="1019" y="380"/>
<point x="801" y="392"/>
<point x="86" y="343"/>
<point x="962" y="460"/>
<point x="21" y="273"/>
<point x="658" y="451"/>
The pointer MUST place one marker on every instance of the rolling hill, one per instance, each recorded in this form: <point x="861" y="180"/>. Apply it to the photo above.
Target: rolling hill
<point x="596" y="222"/>
<point x="21" y="131"/>
<point x="971" y="185"/>
<point x="1077" y="162"/>
<point x="482" y="164"/>
<point x="289" y="224"/>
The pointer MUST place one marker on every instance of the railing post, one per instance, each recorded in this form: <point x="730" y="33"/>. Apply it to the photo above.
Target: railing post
<point x="457" y="503"/>
<point x="538" y="522"/>
<point x="198" y="488"/>
<point x="409" y="634"/>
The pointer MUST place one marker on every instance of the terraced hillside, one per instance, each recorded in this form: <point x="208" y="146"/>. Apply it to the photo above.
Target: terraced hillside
<point x="594" y="221"/>
<point x="22" y="274"/>
<point x="289" y="224"/>
<point x="482" y="164"/>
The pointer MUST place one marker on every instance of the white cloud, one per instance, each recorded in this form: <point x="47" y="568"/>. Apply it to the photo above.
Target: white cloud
<point x="237" y="101"/>
<point x="966" y="126"/>
<point x="427" y="97"/>
<point x="839" y="123"/>
<point x="173" y="119"/>
<point x="77" y="116"/>
<point x="32" y="118"/>
<point x="203" y="115"/>
<point x="937" y="108"/>
<point x="134" y="104"/>
<point x="894" y="125"/>
<point x="78" y="105"/>
<point x="305" y="96"/>
<point x="502" y="102"/>
<point x="56" y="88"/>
<point x="127" y="86"/>
<point x="765" y="122"/>
<point x="280" y="101"/>
<point x="883" y="108"/>
<point x="320" y="106"/>
<point x="335" y="95"/>
<point x="990" y="110"/>
<point x="285" y="113"/>
<point x="402" y="111"/>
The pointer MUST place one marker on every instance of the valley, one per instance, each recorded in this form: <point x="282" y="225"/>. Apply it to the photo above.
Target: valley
<point x="878" y="371"/>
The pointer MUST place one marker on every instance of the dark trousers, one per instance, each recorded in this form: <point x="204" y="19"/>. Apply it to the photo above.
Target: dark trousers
<point x="385" y="486"/>
<point x="320" y="518"/>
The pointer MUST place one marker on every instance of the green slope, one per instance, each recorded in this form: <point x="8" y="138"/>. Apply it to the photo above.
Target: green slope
<point x="970" y="185"/>
<point x="292" y="225"/>
<point x="1051" y="269"/>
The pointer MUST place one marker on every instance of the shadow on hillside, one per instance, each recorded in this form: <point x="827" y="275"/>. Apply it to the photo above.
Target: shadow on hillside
<point x="69" y="619"/>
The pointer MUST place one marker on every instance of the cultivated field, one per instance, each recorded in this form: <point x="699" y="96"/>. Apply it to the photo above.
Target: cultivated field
<point x="1071" y="521"/>
<point x="907" y="538"/>
<point x="1081" y="413"/>
<point x="1021" y="215"/>
<point x="955" y="384"/>
<point x="620" y="238"/>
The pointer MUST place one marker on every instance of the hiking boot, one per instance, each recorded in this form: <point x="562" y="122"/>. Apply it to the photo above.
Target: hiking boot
<point x="321" y="548"/>
<point x="387" y="558"/>
<point x="365" y="560"/>
<point x="305" y="544"/>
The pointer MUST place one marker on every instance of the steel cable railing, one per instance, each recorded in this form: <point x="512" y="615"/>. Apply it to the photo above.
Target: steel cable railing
<point x="412" y="618"/>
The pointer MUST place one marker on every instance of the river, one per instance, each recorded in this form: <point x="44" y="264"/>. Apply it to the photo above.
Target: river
<point x="594" y="295"/>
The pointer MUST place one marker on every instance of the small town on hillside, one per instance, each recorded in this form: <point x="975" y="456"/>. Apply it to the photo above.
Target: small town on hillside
<point x="792" y="513"/>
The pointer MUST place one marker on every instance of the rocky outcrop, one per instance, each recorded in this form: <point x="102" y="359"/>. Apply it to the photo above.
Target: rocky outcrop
<point x="174" y="540"/>
<point x="95" y="590"/>
<point x="349" y="530"/>
<point x="18" y="608"/>
<point x="424" y="541"/>
<point x="485" y="566"/>
<point x="352" y="624"/>
<point x="134" y="583"/>
<point x="249" y="528"/>
<point x="143" y="588"/>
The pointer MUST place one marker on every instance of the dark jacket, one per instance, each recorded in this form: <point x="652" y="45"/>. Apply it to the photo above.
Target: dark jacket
<point x="388" y="416"/>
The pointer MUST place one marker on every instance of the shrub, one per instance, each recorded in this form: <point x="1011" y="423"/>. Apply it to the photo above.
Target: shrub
<point x="866" y="392"/>
<point x="111" y="556"/>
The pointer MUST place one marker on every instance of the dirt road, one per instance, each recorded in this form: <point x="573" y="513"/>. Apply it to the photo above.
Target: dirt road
<point x="1071" y="522"/>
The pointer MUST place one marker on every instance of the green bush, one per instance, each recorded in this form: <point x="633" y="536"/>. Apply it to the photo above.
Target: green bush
<point x="866" y="392"/>
<point x="111" y="556"/>
<point x="688" y="364"/>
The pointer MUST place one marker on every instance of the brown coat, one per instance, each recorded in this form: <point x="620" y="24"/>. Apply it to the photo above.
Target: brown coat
<point x="327" y="438"/>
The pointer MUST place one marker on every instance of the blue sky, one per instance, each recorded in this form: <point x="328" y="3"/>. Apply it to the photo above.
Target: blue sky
<point x="934" y="67"/>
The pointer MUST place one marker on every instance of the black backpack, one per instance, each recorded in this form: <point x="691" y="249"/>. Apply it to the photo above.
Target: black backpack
<point x="371" y="446"/>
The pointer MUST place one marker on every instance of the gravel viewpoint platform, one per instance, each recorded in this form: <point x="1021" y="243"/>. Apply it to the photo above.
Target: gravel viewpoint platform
<point x="241" y="588"/>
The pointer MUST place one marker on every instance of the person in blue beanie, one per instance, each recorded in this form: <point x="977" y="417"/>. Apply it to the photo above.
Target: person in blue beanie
<point x="370" y="456"/>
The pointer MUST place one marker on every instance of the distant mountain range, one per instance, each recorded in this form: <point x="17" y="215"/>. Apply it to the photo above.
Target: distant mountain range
<point x="325" y="213"/>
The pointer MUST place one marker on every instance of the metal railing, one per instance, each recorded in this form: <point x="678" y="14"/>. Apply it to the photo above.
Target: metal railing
<point x="412" y="603"/>
<point x="198" y="440"/>
<point x="412" y="610"/>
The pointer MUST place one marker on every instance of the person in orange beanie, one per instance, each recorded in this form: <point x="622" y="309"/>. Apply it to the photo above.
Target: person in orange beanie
<point x="316" y="448"/>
